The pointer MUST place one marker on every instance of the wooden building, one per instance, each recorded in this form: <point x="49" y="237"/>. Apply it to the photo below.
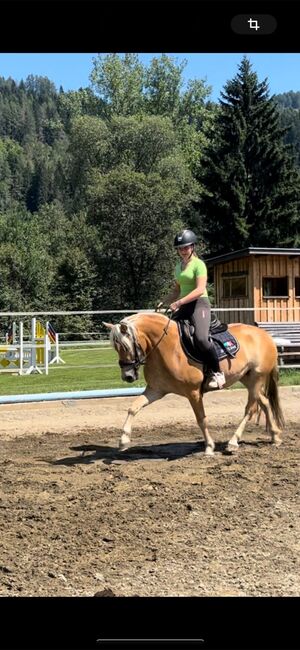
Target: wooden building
<point x="265" y="279"/>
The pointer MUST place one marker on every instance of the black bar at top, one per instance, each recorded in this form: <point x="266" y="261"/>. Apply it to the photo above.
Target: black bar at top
<point x="149" y="644"/>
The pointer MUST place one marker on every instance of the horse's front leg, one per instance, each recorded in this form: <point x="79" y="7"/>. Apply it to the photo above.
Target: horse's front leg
<point x="196" y="402"/>
<point x="146" y="398"/>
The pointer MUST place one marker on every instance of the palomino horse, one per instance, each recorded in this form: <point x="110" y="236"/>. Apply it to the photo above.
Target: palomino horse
<point x="152" y="340"/>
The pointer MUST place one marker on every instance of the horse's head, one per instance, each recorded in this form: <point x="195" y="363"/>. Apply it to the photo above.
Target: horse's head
<point x="124" y="340"/>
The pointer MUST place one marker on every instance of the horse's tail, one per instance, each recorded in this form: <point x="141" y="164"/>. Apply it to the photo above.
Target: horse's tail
<point x="271" y="392"/>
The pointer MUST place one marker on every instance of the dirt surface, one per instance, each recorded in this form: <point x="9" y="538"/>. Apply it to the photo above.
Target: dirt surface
<point x="161" y="519"/>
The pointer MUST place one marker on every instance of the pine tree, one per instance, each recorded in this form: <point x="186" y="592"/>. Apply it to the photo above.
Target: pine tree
<point x="252" y="185"/>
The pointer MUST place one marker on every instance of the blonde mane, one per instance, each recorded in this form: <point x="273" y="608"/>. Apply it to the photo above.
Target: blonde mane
<point x="127" y="340"/>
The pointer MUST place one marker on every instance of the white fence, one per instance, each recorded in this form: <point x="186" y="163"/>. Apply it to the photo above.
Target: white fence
<point x="24" y="357"/>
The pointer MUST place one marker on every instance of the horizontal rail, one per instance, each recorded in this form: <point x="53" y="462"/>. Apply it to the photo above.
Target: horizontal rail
<point x="284" y="366"/>
<point x="138" y="311"/>
<point x="76" y="313"/>
<point x="82" y="394"/>
<point x="77" y="344"/>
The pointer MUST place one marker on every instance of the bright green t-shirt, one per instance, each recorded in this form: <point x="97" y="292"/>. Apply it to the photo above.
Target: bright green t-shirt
<point x="186" y="279"/>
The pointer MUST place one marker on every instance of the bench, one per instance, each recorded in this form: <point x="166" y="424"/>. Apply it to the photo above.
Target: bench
<point x="287" y="338"/>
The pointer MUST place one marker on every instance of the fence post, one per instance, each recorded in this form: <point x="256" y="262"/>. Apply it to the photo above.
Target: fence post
<point x="21" y="348"/>
<point x="46" y="348"/>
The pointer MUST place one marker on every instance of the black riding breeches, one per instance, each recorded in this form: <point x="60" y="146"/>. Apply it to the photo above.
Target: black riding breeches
<point x="198" y="313"/>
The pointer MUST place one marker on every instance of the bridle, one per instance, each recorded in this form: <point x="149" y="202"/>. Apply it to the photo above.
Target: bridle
<point x="140" y="360"/>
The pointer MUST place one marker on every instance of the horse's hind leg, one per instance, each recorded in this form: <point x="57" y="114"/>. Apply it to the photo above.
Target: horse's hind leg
<point x="270" y="422"/>
<point x="250" y="409"/>
<point x="146" y="398"/>
<point x="196" y="402"/>
<point x="254" y="386"/>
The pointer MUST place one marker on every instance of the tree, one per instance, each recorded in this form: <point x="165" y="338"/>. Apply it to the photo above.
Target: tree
<point x="140" y="142"/>
<point x="26" y="269"/>
<point x="45" y="185"/>
<point x="135" y="215"/>
<point x="251" y="183"/>
<point x="163" y="86"/>
<point x="119" y="82"/>
<point x="290" y="121"/>
<point x="76" y="103"/>
<point x="89" y="148"/>
<point x="15" y="173"/>
<point x="127" y="87"/>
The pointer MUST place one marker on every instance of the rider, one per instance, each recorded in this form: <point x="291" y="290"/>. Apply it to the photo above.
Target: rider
<point x="190" y="301"/>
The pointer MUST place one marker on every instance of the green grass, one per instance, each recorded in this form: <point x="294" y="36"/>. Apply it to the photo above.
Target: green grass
<point x="91" y="376"/>
<point x="99" y="370"/>
<point x="289" y="377"/>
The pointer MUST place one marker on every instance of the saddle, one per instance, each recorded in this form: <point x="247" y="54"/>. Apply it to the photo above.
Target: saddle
<point x="225" y="343"/>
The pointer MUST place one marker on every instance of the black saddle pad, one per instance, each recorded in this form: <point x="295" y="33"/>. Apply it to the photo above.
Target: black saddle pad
<point x="225" y="343"/>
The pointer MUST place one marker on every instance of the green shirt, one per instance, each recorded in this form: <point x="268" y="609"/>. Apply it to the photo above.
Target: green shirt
<point x="186" y="279"/>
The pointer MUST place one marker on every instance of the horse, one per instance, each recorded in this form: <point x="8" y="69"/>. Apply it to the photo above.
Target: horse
<point x="152" y="340"/>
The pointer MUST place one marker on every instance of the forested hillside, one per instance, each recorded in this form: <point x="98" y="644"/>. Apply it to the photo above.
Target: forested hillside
<point x="94" y="183"/>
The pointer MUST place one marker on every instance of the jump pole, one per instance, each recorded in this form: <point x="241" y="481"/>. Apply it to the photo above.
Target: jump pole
<point x="33" y="367"/>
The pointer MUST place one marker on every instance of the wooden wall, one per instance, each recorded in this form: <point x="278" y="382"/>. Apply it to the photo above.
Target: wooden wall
<point x="234" y="266"/>
<point x="257" y="267"/>
<point x="276" y="309"/>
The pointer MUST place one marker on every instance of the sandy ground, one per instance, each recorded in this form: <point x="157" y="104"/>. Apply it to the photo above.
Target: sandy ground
<point x="158" y="520"/>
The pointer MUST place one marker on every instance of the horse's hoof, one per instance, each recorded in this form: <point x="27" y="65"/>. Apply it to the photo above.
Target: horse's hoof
<point x="123" y="447"/>
<point x="232" y="448"/>
<point x="124" y="443"/>
<point x="209" y="452"/>
<point x="276" y="442"/>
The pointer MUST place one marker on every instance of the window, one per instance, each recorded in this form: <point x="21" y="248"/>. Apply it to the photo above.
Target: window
<point x="275" y="287"/>
<point x="297" y="287"/>
<point x="235" y="286"/>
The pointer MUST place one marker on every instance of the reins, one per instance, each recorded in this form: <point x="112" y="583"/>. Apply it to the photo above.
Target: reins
<point x="165" y="332"/>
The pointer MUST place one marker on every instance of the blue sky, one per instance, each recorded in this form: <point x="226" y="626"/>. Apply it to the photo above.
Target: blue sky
<point x="71" y="71"/>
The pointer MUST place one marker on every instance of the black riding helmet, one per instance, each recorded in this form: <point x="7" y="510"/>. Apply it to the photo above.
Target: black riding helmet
<point x="185" y="238"/>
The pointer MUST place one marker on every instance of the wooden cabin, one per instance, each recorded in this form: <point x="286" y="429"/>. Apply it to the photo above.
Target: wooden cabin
<point x="266" y="279"/>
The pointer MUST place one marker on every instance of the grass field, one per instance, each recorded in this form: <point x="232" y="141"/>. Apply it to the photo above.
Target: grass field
<point x="84" y="369"/>
<point x="88" y="369"/>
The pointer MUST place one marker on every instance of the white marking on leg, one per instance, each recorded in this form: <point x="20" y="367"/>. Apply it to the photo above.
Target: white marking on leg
<point x="234" y="441"/>
<point x="143" y="400"/>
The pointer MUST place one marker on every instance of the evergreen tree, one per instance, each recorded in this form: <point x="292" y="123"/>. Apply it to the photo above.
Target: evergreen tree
<point x="290" y="120"/>
<point x="251" y="183"/>
<point x="289" y="100"/>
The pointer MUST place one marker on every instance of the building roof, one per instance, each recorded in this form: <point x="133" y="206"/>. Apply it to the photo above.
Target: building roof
<point x="245" y="252"/>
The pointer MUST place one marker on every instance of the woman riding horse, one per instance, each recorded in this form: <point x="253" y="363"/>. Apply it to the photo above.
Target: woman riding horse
<point x="189" y="299"/>
<point x="152" y="340"/>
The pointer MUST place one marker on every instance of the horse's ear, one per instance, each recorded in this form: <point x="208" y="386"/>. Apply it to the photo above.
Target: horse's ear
<point x="109" y="325"/>
<point x="123" y="328"/>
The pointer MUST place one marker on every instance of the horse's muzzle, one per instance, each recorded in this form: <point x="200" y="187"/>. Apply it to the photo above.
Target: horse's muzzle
<point x="130" y="375"/>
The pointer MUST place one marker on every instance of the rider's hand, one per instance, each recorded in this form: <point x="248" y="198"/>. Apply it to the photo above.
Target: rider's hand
<point x="175" y="305"/>
<point x="159" y="305"/>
